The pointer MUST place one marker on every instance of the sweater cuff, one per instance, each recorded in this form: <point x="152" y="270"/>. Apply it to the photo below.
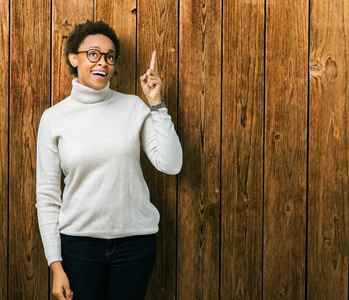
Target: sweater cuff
<point x="156" y="107"/>
<point x="52" y="259"/>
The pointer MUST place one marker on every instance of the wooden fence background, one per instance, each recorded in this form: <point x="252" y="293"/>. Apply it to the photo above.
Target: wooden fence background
<point x="258" y="90"/>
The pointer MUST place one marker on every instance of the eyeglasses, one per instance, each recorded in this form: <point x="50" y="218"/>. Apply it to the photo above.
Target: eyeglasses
<point x="94" y="55"/>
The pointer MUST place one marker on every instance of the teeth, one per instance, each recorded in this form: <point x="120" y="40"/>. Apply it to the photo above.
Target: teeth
<point x="99" y="73"/>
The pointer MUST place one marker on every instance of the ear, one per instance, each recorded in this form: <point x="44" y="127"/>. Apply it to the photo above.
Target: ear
<point x="73" y="58"/>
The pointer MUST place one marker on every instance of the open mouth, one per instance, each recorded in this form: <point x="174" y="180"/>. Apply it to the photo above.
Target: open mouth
<point x="99" y="74"/>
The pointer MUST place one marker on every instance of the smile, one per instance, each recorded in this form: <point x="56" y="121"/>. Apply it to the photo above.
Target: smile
<point x="99" y="74"/>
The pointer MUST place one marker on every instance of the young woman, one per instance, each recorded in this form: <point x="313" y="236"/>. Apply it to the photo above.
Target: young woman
<point x="99" y="233"/>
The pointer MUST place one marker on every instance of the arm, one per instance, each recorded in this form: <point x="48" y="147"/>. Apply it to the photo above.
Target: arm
<point x="48" y="189"/>
<point x="158" y="137"/>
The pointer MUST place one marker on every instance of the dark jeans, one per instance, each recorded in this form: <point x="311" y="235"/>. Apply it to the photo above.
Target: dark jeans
<point x="101" y="269"/>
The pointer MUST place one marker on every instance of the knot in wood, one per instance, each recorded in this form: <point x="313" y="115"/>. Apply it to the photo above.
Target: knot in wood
<point x="282" y="293"/>
<point x="66" y="24"/>
<point x="331" y="69"/>
<point x="316" y="67"/>
<point x="327" y="244"/>
<point x="30" y="58"/>
<point x="315" y="64"/>
<point x="288" y="208"/>
<point x="243" y="120"/>
<point x="320" y="67"/>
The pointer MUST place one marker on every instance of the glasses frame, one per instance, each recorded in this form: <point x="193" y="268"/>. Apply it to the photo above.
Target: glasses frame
<point x="102" y="53"/>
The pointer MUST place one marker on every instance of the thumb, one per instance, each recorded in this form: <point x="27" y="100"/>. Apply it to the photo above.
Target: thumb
<point x="68" y="293"/>
<point x="142" y="79"/>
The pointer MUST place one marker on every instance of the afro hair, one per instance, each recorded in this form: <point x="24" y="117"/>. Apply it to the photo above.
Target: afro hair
<point x="78" y="35"/>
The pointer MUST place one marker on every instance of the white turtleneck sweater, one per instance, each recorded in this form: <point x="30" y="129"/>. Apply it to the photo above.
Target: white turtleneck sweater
<point x="94" y="137"/>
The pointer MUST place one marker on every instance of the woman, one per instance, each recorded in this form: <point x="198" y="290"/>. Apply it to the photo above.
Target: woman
<point x="99" y="233"/>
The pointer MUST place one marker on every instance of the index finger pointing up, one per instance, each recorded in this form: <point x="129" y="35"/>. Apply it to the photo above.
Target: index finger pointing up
<point x="153" y="60"/>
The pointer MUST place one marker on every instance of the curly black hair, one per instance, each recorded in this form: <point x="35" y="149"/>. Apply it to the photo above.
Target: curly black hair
<point x="80" y="32"/>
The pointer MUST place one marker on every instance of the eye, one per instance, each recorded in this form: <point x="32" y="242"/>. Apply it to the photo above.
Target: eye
<point x="110" y="57"/>
<point x="93" y="53"/>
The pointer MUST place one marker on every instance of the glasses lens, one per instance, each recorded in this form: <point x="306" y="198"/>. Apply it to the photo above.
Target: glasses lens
<point x="93" y="55"/>
<point x="111" y="58"/>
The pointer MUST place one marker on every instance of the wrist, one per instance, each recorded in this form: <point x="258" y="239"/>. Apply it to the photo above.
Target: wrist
<point x="153" y="102"/>
<point x="57" y="267"/>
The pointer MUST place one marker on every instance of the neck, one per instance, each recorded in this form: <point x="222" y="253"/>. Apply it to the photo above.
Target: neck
<point x="89" y="95"/>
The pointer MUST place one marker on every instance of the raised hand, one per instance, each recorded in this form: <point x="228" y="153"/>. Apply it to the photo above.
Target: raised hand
<point x="151" y="83"/>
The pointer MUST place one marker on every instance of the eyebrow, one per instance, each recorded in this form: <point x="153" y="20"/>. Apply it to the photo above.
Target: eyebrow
<point x="96" y="47"/>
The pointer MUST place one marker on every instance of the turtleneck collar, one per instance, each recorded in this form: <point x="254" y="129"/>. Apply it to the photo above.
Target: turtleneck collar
<point x="89" y="95"/>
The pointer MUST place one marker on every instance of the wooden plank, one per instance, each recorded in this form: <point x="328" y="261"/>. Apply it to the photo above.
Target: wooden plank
<point x="29" y="94"/>
<point x="122" y="17"/>
<point x="64" y="18"/>
<point x="4" y="79"/>
<point x="285" y="149"/>
<point x="242" y="149"/>
<point x="328" y="151"/>
<point x="158" y="30"/>
<point x="200" y="132"/>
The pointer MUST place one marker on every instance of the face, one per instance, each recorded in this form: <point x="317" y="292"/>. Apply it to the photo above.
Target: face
<point x="94" y="75"/>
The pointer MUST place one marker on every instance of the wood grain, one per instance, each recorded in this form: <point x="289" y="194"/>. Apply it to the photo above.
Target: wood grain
<point x="328" y="153"/>
<point x="64" y="18"/>
<point x="240" y="221"/>
<point x="122" y="16"/>
<point x="200" y="131"/>
<point x="285" y="150"/>
<point x="4" y="93"/>
<point x="158" y="30"/>
<point x="29" y="95"/>
<point x="242" y="150"/>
